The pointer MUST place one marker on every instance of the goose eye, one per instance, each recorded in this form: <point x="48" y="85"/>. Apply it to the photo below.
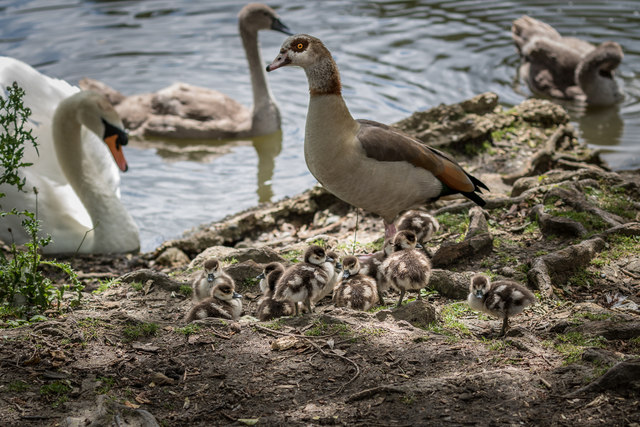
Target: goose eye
<point x="300" y="46"/>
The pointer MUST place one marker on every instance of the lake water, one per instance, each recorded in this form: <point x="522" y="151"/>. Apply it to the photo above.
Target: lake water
<point x="395" y="57"/>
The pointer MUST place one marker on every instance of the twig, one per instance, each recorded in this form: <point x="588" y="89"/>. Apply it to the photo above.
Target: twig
<point x="373" y="391"/>
<point x="339" y="357"/>
<point x="289" y="334"/>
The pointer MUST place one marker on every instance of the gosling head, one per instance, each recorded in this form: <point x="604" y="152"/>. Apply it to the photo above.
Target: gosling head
<point x="351" y="266"/>
<point x="316" y="255"/>
<point x="257" y="16"/>
<point x="211" y="269"/>
<point x="268" y="269"/>
<point x="224" y="292"/>
<point x="405" y="240"/>
<point x="479" y="285"/>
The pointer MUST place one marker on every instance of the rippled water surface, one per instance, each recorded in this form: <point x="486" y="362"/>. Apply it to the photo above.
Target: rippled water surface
<point x="395" y="57"/>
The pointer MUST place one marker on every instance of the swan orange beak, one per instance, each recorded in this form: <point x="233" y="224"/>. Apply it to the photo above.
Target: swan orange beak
<point x="116" y="151"/>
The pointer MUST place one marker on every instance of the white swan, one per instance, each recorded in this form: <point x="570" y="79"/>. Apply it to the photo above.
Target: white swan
<point x="77" y="182"/>
<point x="183" y="111"/>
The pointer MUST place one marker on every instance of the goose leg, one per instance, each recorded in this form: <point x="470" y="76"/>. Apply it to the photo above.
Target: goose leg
<point x="505" y="325"/>
<point x="380" y="297"/>
<point x="400" y="300"/>
<point x="308" y="305"/>
<point x="389" y="230"/>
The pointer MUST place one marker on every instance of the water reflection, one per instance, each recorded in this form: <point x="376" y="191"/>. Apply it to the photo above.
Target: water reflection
<point x="267" y="148"/>
<point x="600" y="126"/>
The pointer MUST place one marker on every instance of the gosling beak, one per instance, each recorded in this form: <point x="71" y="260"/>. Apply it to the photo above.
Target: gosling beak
<point x="278" y="25"/>
<point x="115" y="138"/>
<point x="280" y="61"/>
<point x="479" y="293"/>
<point x="338" y="265"/>
<point x="260" y="276"/>
<point x="210" y="277"/>
<point x="419" y="246"/>
<point x="345" y="275"/>
<point x="236" y="295"/>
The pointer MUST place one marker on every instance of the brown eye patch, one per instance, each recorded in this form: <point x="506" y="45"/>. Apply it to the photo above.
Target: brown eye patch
<point x="298" y="45"/>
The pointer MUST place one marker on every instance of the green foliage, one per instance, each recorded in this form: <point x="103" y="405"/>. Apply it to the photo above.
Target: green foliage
<point x="22" y="284"/>
<point x="17" y="386"/>
<point x="190" y="329"/>
<point x="56" y="392"/>
<point x="133" y="331"/>
<point x="185" y="290"/>
<point x="322" y="328"/>
<point x="293" y="255"/>
<point x="137" y="286"/>
<point x="107" y="283"/>
<point x="572" y="344"/>
<point x="106" y="384"/>
<point x="456" y="223"/>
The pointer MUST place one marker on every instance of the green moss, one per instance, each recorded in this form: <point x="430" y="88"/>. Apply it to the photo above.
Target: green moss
<point x="91" y="327"/>
<point x="56" y="392"/>
<point x="293" y="256"/>
<point x="572" y="344"/>
<point x="137" y="286"/>
<point x="106" y="385"/>
<point x="322" y="328"/>
<point x="17" y="386"/>
<point x="185" y="290"/>
<point x="454" y="222"/>
<point x="582" y="278"/>
<point x="134" y="331"/>
<point x="190" y="329"/>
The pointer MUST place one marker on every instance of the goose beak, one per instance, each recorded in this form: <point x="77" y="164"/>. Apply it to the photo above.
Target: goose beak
<point x="210" y="277"/>
<point x="260" y="276"/>
<point x="479" y="293"/>
<point x="338" y="265"/>
<point x="277" y="25"/>
<point x="280" y="61"/>
<point x="346" y="275"/>
<point x="419" y="246"/>
<point x="236" y="295"/>
<point x="115" y="138"/>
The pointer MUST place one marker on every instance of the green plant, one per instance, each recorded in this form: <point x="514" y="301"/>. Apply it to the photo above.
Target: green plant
<point x="190" y="329"/>
<point x="185" y="290"/>
<point x="323" y="328"/>
<point x="137" y="286"/>
<point x="456" y="223"/>
<point x="106" y="383"/>
<point x="133" y="331"/>
<point x="56" y="392"/>
<point x="292" y="255"/>
<point x="22" y="283"/>
<point x="107" y="283"/>
<point x="18" y="386"/>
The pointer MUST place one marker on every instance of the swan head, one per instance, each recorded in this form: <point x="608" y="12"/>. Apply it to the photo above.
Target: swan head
<point x="257" y="16"/>
<point x="98" y="115"/>
<point x="595" y="74"/>
<point x="301" y="50"/>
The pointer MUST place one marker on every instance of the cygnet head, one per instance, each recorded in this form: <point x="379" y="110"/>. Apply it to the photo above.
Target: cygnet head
<point x="211" y="268"/>
<point x="224" y="292"/>
<point x="316" y="255"/>
<point x="479" y="285"/>
<point x="257" y="16"/>
<point x="351" y="266"/>
<point x="405" y="240"/>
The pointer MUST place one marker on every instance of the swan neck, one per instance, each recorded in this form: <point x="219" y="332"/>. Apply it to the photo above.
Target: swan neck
<point x="261" y="93"/>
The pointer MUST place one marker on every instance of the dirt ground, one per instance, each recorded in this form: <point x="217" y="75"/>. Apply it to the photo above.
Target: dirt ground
<point x="126" y="356"/>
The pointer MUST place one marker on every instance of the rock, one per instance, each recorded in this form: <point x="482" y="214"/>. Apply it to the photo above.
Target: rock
<point x="623" y="377"/>
<point x="242" y="271"/>
<point x="159" y="279"/>
<point x="106" y="413"/>
<point x="172" y="257"/>
<point x="451" y="284"/>
<point x="477" y="222"/>
<point x="262" y="255"/>
<point x="609" y="330"/>
<point x="542" y="112"/>
<point x="219" y="252"/>
<point x="419" y="313"/>
<point x="451" y="252"/>
<point x="556" y="225"/>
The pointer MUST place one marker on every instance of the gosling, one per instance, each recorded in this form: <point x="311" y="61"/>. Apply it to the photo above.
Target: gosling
<point x="208" y="278"/>
<point x="224" y="303"/>
<point x="331" y="284"/>
<point x="502" y="299"/>
<point x="421" y="223"/>
<point x="356" y="291"/>
<point x="268" y="307"/>
<point x="406" y="268"/>
<point x="370" y="266"/>
<point x="305" y="281"/>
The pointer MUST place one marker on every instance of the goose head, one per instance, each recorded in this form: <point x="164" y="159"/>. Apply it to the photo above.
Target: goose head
<point x="479" y="285"/>
<point x="316" y="255"/>
<point x="212" y="269"/>
<point x="98" y="115"/>
<point x="224" y="292"/>
<point x="257" y="16"/>
<point x="405" y="239"/>
<point x="351" y="266"/>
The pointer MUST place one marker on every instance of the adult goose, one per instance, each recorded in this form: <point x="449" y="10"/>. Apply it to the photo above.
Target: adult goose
<point x="566" y="67"/>
<point x="367" y="164"/>
<point x="183" y="111"/>
<point x="78" y="200"/>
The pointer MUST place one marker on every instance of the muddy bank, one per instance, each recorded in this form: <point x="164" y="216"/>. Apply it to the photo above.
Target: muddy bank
<point x="556" y="220"/>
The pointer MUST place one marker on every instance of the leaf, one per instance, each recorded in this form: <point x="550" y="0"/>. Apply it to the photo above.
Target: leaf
<point x="249" y="421"/>
<point x="131" y="405"/>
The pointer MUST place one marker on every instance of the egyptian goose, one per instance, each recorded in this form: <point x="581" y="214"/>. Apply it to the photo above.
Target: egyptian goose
<point x="268" y="307"/>
<point x="184" y="111"/>
<point x="502" y="299"/>
<point x="211" y="275"/>
<point x="423" y="225"/>
<point x="356" y="291"/>
<point x="367" y="164"/>
<point x="406" y="268"/>
<point x="224" y="303"/>
<point x="303" y="282"/>
<point x="79" y="135"/>
<point x="566" y="67"/>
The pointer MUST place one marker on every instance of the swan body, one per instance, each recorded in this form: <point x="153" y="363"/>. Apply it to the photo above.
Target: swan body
<point x="184" y="111"/>
<point x="77" y="181"/>
<point x="367" y="164"/>
<point x="566" y="67"/>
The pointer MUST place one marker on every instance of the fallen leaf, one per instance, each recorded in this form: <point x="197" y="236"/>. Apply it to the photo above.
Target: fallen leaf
<point x="283" y="343"/>
<point x="248" y="421"/>
<point x="131" y="405"/>
<point x="186" y="404"/>
<point x="141" y="398"/>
